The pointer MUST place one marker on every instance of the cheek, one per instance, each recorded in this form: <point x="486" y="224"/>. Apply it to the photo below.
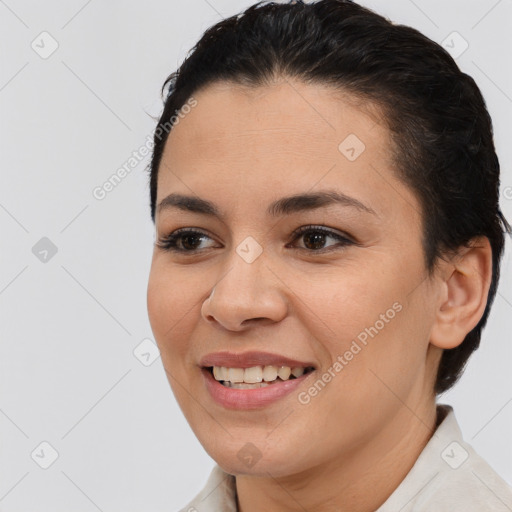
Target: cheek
<point x="340" y="301"/>
<point x="172" y="300"/>
<point x="368" y="318"/>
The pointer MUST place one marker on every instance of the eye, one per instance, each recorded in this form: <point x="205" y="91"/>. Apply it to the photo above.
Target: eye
<point x="188" y="240"/>
<point x="315" y="236"/>
<point x="182" y="240"/>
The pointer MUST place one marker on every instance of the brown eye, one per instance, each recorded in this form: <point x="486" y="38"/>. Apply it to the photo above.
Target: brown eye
<point x="315" y="238"/>
<point x="185" y="241"/>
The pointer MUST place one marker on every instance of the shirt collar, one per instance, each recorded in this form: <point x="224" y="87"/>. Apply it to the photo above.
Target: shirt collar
<point x="430" y="463"/>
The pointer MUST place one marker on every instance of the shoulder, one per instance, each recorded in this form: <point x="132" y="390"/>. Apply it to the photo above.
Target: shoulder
<point x="450" y="476"/>
<point x="218" y="495"/>
<point x="472" y="486"/>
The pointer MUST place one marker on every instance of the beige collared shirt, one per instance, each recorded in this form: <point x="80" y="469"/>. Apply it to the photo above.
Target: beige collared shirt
<point x="448" y="476"/>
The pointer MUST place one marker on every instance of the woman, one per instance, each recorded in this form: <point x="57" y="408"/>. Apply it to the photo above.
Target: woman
<point x="328" y="248"/>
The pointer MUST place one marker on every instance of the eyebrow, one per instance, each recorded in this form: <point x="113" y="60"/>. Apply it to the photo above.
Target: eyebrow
<point x="284" y="206"/>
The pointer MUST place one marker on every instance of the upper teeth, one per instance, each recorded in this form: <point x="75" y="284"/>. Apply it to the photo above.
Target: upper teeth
<point x="256" y="373"/>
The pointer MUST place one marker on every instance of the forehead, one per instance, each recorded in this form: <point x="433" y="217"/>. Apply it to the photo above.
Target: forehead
<point x="232" y="120"/>
<point x="285" y="138"/>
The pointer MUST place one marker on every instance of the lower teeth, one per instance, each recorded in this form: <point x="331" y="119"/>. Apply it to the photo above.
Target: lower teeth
<point x="244" y="385"/>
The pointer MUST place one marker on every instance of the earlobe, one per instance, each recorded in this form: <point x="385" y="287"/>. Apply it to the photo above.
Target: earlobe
<point x="465" y="287"/>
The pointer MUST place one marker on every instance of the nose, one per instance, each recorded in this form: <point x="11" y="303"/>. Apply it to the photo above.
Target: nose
<point x="245" y="294"/>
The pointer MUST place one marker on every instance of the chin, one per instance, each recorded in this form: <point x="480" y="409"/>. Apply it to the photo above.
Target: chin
<point x="262" y="468"/>
<point x="243" y="458"/>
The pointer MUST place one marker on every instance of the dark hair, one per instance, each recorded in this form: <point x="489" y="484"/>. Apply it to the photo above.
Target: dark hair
<point x="441" y="130"/>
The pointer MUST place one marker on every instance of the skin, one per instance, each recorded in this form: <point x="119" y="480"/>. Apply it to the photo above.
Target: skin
<point x="242" y="149"/>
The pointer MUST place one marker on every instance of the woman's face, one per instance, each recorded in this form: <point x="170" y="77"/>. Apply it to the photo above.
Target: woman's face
<point x="359" y="308"/>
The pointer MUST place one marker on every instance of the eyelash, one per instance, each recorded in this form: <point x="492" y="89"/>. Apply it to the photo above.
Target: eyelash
<point x="170" y="242"/>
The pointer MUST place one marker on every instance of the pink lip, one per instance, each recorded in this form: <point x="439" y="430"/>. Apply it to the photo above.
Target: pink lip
<point x="248" y="359"/>
<point x="250" y="398"/>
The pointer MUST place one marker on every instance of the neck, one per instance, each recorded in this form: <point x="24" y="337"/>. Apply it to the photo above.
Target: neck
<point x="379" y="465"/>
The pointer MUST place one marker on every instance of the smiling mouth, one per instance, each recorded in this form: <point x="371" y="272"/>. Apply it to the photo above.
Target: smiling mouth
<point x="256" y="376"/>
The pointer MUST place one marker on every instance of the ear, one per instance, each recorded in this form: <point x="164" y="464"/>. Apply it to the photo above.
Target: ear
<point x="465" y="282"/>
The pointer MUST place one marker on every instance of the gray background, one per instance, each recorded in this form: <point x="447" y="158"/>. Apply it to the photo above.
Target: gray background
<point x="72" y="324"/>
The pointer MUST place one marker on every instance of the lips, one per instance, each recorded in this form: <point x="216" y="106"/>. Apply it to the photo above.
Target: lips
<point x="252" y="399"/>
<point x="250" y="359"/>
